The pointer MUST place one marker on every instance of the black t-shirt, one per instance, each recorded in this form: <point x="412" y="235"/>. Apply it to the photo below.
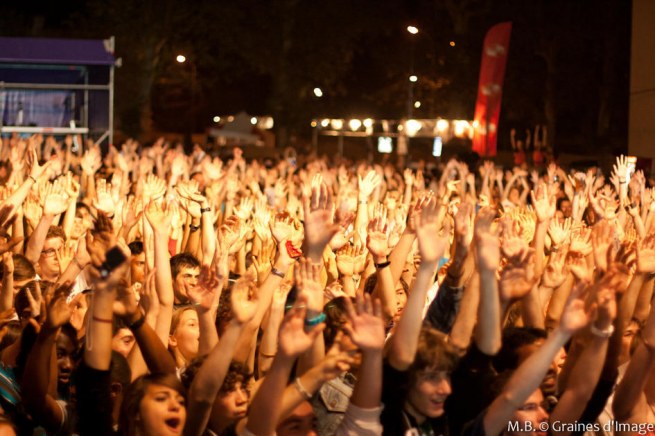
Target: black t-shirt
<point x="470" y="382"/>
<point x="394" y="419"/>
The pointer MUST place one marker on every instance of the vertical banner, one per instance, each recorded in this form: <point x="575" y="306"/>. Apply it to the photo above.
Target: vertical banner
<point x="490" y="88"/>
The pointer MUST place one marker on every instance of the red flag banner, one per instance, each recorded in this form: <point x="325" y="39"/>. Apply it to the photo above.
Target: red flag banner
<point x="490" y="88"/>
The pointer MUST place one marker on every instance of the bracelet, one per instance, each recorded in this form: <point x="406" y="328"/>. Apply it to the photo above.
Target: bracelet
<point x="382" y="265"/>
<point x="193" y="228"/>
<point x="363" y="202"/>
<point x="607" y="333"/>
<point x="136" y="325"/>
<point x="205" y="209"/>
<point x="313" y="322"/>
<point x="301" y="389"/>
<point x="108" y="321"/>
<point x="277" y="272"/>
<point x="31" y="177"/>
<point x="269" y="356"/>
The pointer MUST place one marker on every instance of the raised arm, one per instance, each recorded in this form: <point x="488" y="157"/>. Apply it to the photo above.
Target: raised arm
<point x="38" y="370"/>
<point x="529" y="375"/>
<point x="487" y="332"/>
<point x="431" y="247"/>
<point x="294" y="339"/>
<point x="211" y="375"/>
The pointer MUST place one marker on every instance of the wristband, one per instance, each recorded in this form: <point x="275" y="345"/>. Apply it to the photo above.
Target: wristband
<point x="277" y="272"/>
<point x="607" y="333"/>
<point x="205" y="209"/>
<point x="382" y="265"/>
<point x="136" y="325"/>
<point x="313" y="322"/>
<point x="193" y="228"/>
<point x="301" y="389"/>
<point x="108" y="321"/>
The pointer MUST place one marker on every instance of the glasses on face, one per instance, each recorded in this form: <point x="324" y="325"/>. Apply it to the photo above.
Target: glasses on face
<point x="49" y="252"/>
<point x="534" y="407"/>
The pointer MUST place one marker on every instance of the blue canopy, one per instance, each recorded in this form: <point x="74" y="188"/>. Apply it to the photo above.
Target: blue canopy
<point x="55" y="51"/>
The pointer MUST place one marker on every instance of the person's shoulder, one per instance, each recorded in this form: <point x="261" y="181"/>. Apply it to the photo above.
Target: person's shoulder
<point x="475" y="427"/>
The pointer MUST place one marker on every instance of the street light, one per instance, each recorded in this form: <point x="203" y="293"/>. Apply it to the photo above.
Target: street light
<point x="412" y="29"/>
<point x="318" y="92"/>
<point x="413" y="78"/>
<point x="417" y="104"/>
<point x="180" y="59"/>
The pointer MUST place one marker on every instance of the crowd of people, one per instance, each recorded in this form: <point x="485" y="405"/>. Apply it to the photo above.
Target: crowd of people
<point x="149" y="291"/>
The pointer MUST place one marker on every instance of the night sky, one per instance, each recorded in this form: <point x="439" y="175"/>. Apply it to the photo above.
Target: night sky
<point x="569" y="59"/>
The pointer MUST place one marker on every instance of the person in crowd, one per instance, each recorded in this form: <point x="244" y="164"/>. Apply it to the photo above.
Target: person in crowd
<point x="160" y="293"/>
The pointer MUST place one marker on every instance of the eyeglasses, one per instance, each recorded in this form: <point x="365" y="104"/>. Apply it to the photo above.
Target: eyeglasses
<point x="49" y="252"/>
<point x="534" y="407"/>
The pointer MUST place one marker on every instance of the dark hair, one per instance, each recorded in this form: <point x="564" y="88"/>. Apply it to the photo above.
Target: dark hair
<point x="120" y="370"/>
<point x="128" y="420"/>
<point x="56" y="232"/>
<point x="23" y="268"/>
<point x="237" y="372"/>
<point x="335" y="316"/>
<point x="21" y="301"/>
<point x="513" y="339"/>
<point x="183" y="260"/>
<point x="136" y="247"/>
<point x="433" y="351"/>
<point x="560" y="201"/>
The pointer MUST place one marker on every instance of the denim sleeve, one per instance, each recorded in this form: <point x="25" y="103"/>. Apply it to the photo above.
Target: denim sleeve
<point x="443" y="309"/>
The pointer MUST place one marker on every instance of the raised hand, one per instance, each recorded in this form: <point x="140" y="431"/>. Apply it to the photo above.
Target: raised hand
<point x="368" y="184"/>
<point x="282" y="226"/>
<point x="621" y="168"/>
<point x="646" y="254"/>
<point x="559" y="232"/>
<point x="544" y="203"/>
<point x="91" y="161"/>
<point x="377" y="239"/>
<point x="581" y="242"/>
<point x="346" y="260"/>
<point x="516" y="280"/>
<point x="204" y="294"/>
<point x="56" y="200"/>
<point x="244" y="208"/>
<point x="58" y="312"/>
<point x="464" y="224"/>
<point x="514" y="247"/>
<point x="319" y="225"/>
<point x="431" y="245"/>
<point x="153" y="188"/>
<point x="365" y="324"/>
<point x="244" y="299"/>
<point x="488" y="244"/>
<point x="104" y="200"/>
<point x="308" y="282"/>
<point x="293" y="338"/>
<point x="125" y="304"/>
<point x="65" y="255"/>
<point x="555" y="272"/>
<point x="602" y="238"/>
<point x="149" y="300"/>
<point x="159" y="216"/>
<point x="36" y="170"/>
<point x="575" y="316"/>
